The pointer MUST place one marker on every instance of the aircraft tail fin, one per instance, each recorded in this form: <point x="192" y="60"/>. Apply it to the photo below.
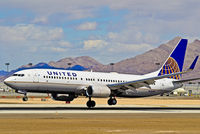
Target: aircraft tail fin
<point x="175" y="61"/>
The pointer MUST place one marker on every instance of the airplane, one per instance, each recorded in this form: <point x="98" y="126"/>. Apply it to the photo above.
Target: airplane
<point x="66" y="85"/>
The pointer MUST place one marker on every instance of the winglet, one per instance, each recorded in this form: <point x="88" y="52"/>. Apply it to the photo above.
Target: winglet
<point x="193" y="63"/>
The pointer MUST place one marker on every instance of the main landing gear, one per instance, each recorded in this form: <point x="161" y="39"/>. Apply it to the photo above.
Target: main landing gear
<point x="91" y="103"/>
<point x="25" y="98"/>
<point x="112" y="101"/>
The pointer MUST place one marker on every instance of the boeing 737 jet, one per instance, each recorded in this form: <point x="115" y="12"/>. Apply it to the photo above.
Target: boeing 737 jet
<point x="66" y="85"/>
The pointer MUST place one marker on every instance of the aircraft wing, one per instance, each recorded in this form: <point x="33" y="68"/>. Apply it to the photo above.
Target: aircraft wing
<point x="140" y="83"/>
<point x="148" y="81"/>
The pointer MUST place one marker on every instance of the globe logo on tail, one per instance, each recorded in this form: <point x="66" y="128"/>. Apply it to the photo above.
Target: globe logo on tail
<point x="171" y="66"/>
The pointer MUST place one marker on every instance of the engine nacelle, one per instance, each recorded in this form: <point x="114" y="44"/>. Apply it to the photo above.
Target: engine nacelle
<point x="101" y="91"/>
<point x="63" y="97"/>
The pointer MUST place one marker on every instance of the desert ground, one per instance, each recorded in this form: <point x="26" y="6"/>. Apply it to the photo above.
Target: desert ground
<point x="100" y="123"/>
<point x="108" y="123"/>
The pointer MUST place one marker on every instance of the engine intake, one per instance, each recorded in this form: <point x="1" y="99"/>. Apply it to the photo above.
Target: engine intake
<point x="62" y="97"/>
<point x="101" y="91"/>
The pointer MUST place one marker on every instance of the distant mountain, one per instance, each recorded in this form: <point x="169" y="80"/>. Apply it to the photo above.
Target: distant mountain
<point x="84" y="61"/>
<point x="47" y="66"/>
<point x="3" y="73"/>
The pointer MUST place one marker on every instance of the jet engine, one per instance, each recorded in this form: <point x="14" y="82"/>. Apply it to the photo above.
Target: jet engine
<point x="101" y="91"/>
<point x="63" y="97"/>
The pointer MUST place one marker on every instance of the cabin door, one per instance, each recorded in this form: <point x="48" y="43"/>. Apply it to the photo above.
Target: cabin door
<point x="35" y="77"/>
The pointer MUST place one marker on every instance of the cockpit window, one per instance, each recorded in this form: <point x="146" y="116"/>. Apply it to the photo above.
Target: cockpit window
<point x="20" y="75"/>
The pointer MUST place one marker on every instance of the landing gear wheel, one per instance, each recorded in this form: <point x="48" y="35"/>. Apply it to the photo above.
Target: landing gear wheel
<point x="112" y="101"/>
<point x="91" y="104"/>
<point x="25" y="98"/>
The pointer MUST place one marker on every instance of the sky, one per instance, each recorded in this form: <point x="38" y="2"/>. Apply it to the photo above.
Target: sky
<point x="33" y="31"/>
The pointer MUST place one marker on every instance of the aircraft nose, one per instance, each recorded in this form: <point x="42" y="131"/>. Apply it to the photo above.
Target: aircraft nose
<point x="7" y="81"/>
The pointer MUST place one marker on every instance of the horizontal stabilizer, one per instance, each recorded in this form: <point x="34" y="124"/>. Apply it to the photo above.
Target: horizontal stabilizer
<point x="182" y="81"/>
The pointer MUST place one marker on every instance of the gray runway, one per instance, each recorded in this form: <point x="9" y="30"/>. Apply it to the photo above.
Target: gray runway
<point x="54" y="108"/>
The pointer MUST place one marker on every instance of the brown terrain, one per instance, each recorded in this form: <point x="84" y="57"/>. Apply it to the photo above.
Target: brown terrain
<point x="99" y="123"/>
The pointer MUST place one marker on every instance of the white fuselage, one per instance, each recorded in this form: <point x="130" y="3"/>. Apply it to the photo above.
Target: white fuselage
<point x="68" y="81"/>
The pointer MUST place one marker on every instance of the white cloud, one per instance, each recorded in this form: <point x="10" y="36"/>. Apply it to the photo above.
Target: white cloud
<point x="64" y="43"/>
<point x="87" y="26"/>
<point x="130" y="35"/>
<point x="30" y="32"/>
<point x="119" y="48"/>
<point x="42" y="20"/>
<point x="83" y="8"/>
<point x="94" y="44"/>
<point x="58" y="49"/>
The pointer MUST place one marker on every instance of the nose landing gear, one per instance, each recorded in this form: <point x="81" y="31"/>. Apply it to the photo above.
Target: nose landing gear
<point x="112" y="101"/>
<point x="25" y="98"/>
